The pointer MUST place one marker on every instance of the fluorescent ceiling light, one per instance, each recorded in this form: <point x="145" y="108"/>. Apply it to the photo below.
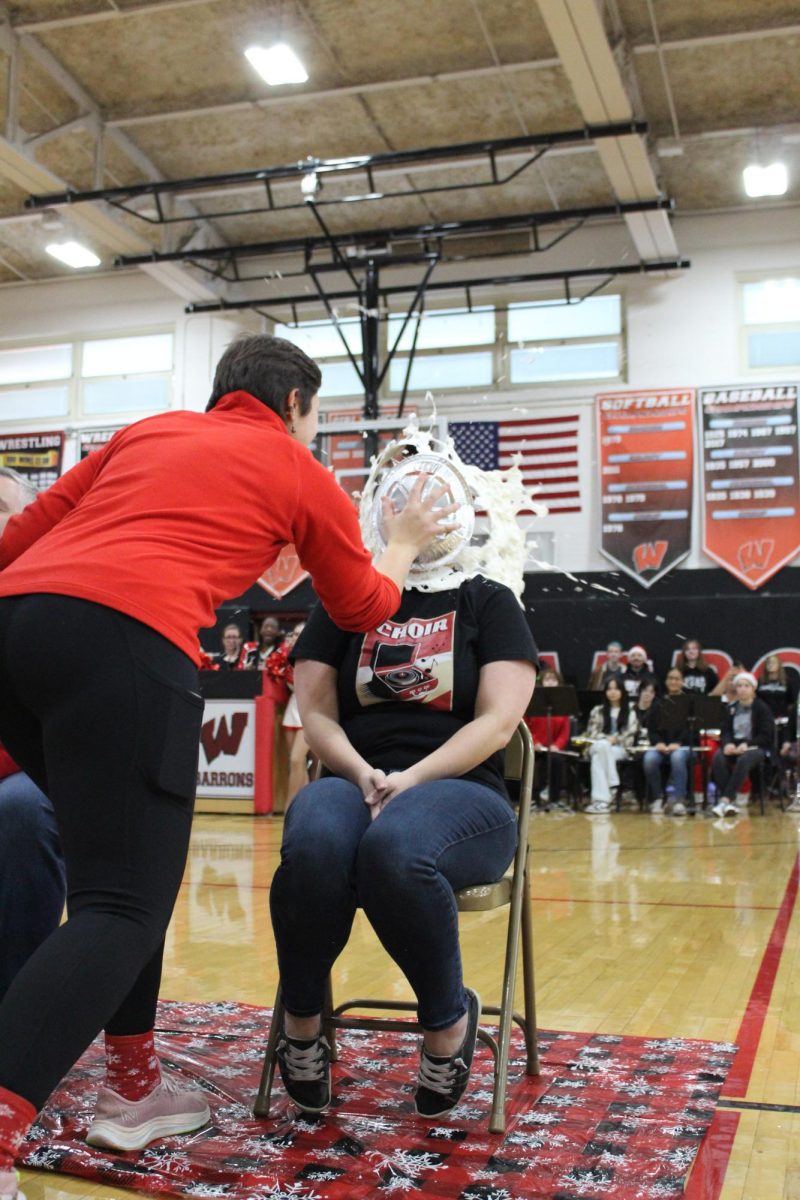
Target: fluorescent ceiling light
<point x="279" y="64"/>
<point x="766" y="181"/>
<point x="73" y="254"/>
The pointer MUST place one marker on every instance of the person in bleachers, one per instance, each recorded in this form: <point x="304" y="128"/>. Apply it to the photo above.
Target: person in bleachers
<point x="726" y="688"/>
<point x="748" y="735"/>
<point x="234" y="649"/>
<point x="270" y="638"/>
<point x="671" y="745"/>
<point x="637" y="672"/>
<point x="778" y="688"/>
<point x="698" y="676"/>
<point x="612" y="728"/>
<point x="559" y="728"/>
<point x="612" y="666"/>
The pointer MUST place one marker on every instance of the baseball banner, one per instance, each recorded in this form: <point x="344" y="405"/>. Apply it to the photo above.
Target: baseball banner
<point x="646" y="443"/>
<point x="37" y="456"/>
<point x="94" y="439"/>
<point x="751" y="514"/>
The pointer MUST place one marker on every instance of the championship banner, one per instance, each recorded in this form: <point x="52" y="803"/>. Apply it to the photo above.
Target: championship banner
<point x="94" y="439"/>
<point x="646" y="442"/>
<point x="751" y="514"/>
<point x="37" y="456"/>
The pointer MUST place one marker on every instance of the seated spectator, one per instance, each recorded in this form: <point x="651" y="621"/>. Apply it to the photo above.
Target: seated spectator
<point x="234" y="649"/>
<point x="612" y="726"/>
<point x="671" y="745"/>
<point x="698" y="676"/>
<point x="637" y="672"/>
<point x="293" y="726"/>
<point x="412" y="729"/>
<point x="643" y="711"/>
<point x="726" y="688"/>
<point x="612" y="666"/>
<point x="748" y="734"/>
<point x="559" y="728"/>
<point x="778" y="689"/>
<point x="270" y="638"/>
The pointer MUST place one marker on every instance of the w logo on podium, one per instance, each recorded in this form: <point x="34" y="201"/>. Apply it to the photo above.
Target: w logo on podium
<point x="224" y="740"/>
<point x="648" y="556"/>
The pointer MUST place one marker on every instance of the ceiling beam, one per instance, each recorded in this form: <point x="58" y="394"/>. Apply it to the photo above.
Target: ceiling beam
<point x="577" y="31"/>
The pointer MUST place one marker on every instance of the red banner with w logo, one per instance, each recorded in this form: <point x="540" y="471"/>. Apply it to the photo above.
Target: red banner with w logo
<point x="646" y="442"/>
<point x="751" y="506"/>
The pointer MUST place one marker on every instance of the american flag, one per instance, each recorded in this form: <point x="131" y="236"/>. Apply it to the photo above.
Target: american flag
<point x="546" y="449"/>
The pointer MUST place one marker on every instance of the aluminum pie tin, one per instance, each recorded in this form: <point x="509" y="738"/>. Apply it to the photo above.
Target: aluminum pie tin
<point x="396" y="485"/>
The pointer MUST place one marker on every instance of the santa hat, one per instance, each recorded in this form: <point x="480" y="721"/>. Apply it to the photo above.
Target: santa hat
<point x="746" y="677"/>
<point x="637" y="650"/>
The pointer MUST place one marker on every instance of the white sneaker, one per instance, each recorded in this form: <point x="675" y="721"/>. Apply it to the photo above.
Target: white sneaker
<point x="793" y="807"/>
<point x="719" y="809"/>
<point x="544" y="795"/>
<point x="598" y="806"/>
<point x="9" y="1185"/>
<point x="657" y="806"/>
<point x="730" y="809"/>
<point x="679" y="809"/>
<point x="168" y="1110"/>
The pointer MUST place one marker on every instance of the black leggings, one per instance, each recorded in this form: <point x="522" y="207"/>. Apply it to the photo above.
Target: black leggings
<point x="103" y="713"/>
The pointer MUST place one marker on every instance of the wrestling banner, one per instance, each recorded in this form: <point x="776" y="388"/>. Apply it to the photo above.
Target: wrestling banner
<point x="37" y="456"/>
<point x="751" y="516"/>
<point x="646" y="472"/>
<point x="94" y="439"/>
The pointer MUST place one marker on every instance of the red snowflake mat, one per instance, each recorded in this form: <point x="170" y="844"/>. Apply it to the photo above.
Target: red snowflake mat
<point x="610" y="1116"/>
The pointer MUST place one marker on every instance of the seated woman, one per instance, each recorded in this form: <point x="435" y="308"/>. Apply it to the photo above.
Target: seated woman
<point x="557" y="730"/>
<point x="778" y="688"/>
<point x="643" y="711"/>
<point x="671" y="742"/>
<point x="411" y="721"/>
<point x="613" y="725"/>
<point x="748" y="734"/>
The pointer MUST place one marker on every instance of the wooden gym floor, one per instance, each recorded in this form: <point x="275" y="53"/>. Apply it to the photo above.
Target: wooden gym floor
<point x="643" y="925"/>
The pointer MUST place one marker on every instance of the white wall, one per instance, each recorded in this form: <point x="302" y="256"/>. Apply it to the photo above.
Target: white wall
<point x="681" y="331"/>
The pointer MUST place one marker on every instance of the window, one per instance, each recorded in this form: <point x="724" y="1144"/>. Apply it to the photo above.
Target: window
<point x="560" y="342"/>
<point x="771" y="322"/>
<point x="463" y="349"/>
<point x="95" y="377"/>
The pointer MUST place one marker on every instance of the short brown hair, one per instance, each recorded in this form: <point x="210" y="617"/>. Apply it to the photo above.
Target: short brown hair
<point x="268" y="368"/>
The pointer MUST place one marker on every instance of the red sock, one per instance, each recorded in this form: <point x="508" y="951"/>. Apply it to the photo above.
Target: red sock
<point x="132" y="1069"/>
<point x="16" y="1118"/>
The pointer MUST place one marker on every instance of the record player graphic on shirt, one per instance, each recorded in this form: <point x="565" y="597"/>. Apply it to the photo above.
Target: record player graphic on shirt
<point x="411" y="660"/>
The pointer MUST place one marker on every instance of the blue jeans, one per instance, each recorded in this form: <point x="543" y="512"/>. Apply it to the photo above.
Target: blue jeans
<point x="32" y="879"/>
<point x="402" y="869"/>
<point x="678" y="771"/>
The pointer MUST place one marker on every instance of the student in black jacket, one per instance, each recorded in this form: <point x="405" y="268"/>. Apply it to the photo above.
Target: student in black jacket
<point x="670" y="739"/>
<point x="748" y="734"/>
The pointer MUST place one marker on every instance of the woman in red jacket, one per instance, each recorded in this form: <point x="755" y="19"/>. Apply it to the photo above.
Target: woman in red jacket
<point x="131" y="552"/>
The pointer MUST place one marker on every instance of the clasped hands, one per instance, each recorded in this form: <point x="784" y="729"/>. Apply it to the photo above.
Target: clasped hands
<point x="378" y="788"/>
<point x="732" y="748"/>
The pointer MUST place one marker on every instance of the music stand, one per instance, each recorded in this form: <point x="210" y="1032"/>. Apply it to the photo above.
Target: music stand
<point x="552" y="702"/>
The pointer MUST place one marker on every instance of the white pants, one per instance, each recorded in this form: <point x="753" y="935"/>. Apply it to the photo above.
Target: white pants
<point x="604" y="758"/>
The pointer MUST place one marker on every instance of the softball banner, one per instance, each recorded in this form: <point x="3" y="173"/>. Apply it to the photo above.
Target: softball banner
<point x="37" y="456"/>
<point x="646" y="442"/>
<point x="751" y="508"/>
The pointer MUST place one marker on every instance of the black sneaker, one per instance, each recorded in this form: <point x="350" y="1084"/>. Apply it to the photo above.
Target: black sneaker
<point x="443" y="1080"/>
<point x="305" y="1068"/>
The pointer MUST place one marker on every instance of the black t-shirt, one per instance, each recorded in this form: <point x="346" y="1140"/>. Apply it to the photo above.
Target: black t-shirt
<point x="700" y="679"/>
<point x="408" y="686"/>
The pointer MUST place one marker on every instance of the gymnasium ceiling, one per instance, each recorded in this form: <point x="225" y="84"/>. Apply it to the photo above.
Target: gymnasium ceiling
<point x="98" y="93"/>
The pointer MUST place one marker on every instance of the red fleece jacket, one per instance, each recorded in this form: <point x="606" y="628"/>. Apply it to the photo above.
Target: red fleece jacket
<point x="184" y="510"/>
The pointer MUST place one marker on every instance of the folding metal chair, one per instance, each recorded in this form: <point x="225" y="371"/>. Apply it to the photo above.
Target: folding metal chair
<point x="511" y="890"/>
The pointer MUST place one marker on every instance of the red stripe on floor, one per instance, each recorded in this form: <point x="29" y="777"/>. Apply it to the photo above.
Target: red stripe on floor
<point x="749" y="1034"/>
<point x="711" y="1164"/>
